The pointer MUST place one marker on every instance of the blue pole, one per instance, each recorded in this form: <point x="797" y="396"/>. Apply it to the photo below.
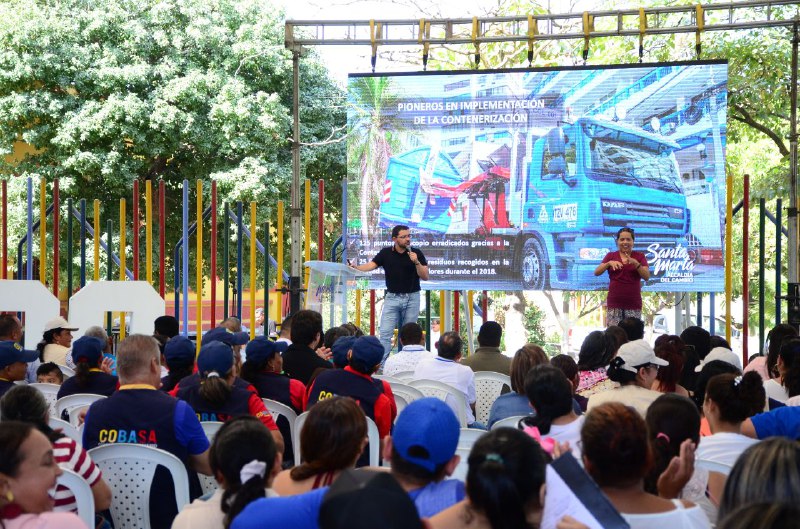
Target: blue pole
<point x="29" y="268"/>
<point x="239" y="237"/>
<point x="186" y="258"/>
<point x="83" y="242"/>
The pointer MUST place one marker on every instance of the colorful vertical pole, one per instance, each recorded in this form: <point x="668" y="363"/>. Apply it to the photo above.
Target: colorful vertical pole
<point x="358" y="308"/>
<point x="239" y="263"/>
<point x="485" y="305"/>
<point x="83" y="242"/>
<point x="778" y="255"/>
<point x="279" y="267"/>
<point x="213" y="253"/>
<point x="226" y="260"/>
<point x="185" y="264"/>
<point x="135" y="229"/>
<point x="252" y="270"/>
<point x="96" y="205"/>
<point x="456" y="311"/>
<point x="162" y="215"/>
<point x="308" y="228"/>
<point x="56" y="205"/>
<point x="372" y="312"/>
<point x="109" y="271"/>
<point x="746" y="270"/>
<point x="266" y="268"/>
<point x="148" y="231"/>
<point x="320" y="220"/>
<point x="43" y="231"/>
<point x="199" y="258"/>
<point x="70" y="218"/>
<point x="122" y="246"/>
<point x="29" y="266"/>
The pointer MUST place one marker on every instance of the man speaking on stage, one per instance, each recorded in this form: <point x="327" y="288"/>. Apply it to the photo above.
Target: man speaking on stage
<point x="403" y="267"/>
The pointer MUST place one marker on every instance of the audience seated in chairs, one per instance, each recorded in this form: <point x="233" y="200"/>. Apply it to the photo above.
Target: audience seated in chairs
<point x="26" y="404"/>
<point x="87" y="355"/>
<point x="28" y="471"/>
<point x="244" y="460"/>
<point x="331" y="440"/>
<point x="488" y="356"/>
<point x="179" y="356"/>
<point x="49" y="373"/>
<point x="516" y="402"/>
<point x="413" y="341"/>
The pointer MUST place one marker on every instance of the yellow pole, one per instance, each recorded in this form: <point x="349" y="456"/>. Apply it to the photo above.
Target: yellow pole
<point x="43" y="231"/>
<point x="279" y="268"/>
<point x="148" y="230"/>
<point x="471" y="305"/>
<point x="199" y="279"/>
<point x="728" y="258"/>
<point x="96" y="240"/>
<point x="308" y="227"/>
<point x="253" y="270"/>
<point x="358" y="307"/>
<point x="122" y="261"/>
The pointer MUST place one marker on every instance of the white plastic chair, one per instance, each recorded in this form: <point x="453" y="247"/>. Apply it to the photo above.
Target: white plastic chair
<point x="400" y="401"/>
<point x="129" y="471"/>
<point x="488" y="386"/>
<point x="50" y="392"/>
<point x="372" y="435"/>
<point x="277" y="409"/>
<point x="404" y="376"/>
<point x="209" y="483"/>
<point x="391" y="379"/>
<point x="508" y="422"/>
<point x="73" y="404"/>
<point x="211" y="428"/>
<point x="406" y="392"/>
<point x="66" y="371"/>
<point x="468" y="436"/>
<point x="82" y="491"/>
<point x="69" y="430"/>
<point x="453" y="397"/>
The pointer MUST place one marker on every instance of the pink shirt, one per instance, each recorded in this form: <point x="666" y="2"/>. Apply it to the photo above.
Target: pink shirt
<point x="46" y="520"/>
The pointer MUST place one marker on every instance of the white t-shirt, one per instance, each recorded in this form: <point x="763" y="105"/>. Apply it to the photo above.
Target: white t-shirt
<point x="631" y="395"/>
<point x="775" y="390"/>
<point x="569" y="433"/>
<point x="678" y="518"/>
<point x="723" y="447"/>
<point x="205" y="514"/>
<point x="450" y="372"/>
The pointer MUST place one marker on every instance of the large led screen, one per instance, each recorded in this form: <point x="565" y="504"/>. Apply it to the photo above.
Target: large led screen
<point x="520" y="179"/>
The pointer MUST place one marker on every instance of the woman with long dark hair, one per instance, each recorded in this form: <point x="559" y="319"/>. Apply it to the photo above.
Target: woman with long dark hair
<point x="245" y="460"/>
<point x="87" y="355"/>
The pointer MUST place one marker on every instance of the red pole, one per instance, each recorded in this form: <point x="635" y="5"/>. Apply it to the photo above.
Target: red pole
<point x="320" y="225"/>
<point x="213" y="252"/>
<point x="5" y="230"/>
<point x="456" y="312"/>
<point x="135" y="227"/>
<point x="161" y="243"/>
<point x="745" y="269"/>
<point x="485" y="306"/>
<point x="372" y="312"/>
<point x="55" y="238"/>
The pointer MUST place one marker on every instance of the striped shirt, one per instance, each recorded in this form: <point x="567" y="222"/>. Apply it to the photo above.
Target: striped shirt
<point x="68" y="454"/>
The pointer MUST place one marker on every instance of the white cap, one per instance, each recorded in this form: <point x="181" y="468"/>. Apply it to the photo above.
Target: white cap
<point x="720" y="353"/>
<point x="59" y="323"/>
<point x="638" y="353"/>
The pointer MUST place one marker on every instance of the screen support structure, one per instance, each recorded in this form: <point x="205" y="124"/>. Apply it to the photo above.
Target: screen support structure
<point x="535" y="28"/>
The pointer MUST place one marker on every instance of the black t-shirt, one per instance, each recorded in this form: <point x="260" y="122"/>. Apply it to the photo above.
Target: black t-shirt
<point x="401" y="273"/>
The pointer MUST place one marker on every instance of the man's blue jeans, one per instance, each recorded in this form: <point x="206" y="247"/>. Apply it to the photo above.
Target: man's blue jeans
<point x="398" y="309"/>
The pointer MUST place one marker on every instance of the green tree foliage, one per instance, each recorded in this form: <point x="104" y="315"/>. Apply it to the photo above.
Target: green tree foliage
<point x="109" y="91"/>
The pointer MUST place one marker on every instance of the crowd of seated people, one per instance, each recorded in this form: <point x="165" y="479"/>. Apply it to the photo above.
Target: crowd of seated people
<point x="672" y="433"/>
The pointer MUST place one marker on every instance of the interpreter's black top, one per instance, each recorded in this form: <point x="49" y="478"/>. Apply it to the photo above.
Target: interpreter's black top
<point x="401" y="273"/>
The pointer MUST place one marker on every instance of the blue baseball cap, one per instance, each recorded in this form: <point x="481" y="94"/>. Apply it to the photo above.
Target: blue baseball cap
<point x="428" y="424"/>
<point x="11" y="352"/>
<point x="340" y="349"/>
<point x="179" y="350"/>
<point x="215" y="357"/>
<point x="224" y="335"/>
<point x="367" y="352"/>
<point x="87" y="349"/>
<point x="261" y="349"/>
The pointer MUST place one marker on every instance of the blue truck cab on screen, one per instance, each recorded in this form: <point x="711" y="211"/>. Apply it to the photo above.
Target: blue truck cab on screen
<point x="583" y="182"/>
